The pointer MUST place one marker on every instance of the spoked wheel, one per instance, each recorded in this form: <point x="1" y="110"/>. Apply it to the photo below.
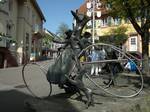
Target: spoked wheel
<point x="110" y="74"/>
<point x="34" y="77"/>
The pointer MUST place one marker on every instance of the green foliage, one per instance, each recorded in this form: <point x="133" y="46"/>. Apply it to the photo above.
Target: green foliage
<point x="119" y="8"/>
<point x="117" y="37"/>
<point x="47" y="39"/>
<point x="120" y="39"/>
<point x="105" y="39"/>
<point x="62" y="29"/>
<point x="133" y="9"/>
<point x="119" y="30"/>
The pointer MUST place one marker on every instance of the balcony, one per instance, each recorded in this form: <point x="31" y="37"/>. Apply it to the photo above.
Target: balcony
<point x="3" y="7"/>
<point x="5" y="41"/>
<point x="37" y="28"/>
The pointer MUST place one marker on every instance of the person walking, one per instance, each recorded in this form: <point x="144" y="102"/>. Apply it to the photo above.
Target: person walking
<point x="94" y="57"/>
<point x="102" y="56"/>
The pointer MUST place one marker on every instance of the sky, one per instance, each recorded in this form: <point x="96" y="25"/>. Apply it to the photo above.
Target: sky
<point x="57" y="12"/>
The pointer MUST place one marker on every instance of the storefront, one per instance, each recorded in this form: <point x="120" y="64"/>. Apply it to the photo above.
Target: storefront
<point x="6" y="57"/>
<point x="36" y="47"/>
<point x="1" y="59"/>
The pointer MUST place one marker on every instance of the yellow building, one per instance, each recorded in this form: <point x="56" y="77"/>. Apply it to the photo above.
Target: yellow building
<point x="22" y="22"/>
<point x="105" y="23"/>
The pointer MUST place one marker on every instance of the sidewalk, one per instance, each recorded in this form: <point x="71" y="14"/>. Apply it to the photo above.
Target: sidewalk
<point x="62" y="103"/>
<point x="13" y="93"/>
<point x="11" y="76"/>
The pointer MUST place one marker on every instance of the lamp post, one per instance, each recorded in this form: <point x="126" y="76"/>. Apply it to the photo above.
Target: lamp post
<point x="93" y="22"/>
<point x="93" y="4"/>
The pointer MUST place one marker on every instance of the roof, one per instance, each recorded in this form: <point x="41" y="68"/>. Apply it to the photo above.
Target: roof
<point x="83" y="10"/>
<point x="35" y="4"/>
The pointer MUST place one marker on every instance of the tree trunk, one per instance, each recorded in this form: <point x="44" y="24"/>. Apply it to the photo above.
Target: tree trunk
<point x="145" y="52"/>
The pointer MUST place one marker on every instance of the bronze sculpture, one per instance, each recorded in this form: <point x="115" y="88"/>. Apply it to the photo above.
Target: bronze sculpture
<point x="59" y="72"/>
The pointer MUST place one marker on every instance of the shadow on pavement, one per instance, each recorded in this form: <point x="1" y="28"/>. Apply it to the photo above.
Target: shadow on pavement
<point x="57" y="103"/>
<point x="12" y="101"/>
<point x="16" y="101"/>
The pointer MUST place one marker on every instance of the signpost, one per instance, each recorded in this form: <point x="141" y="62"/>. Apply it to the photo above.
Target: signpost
<point x="92" y="7"/>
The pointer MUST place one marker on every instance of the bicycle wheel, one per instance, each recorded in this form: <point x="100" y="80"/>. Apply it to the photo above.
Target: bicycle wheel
<point x="111" y="79"/>
<point x="34" y="77"/>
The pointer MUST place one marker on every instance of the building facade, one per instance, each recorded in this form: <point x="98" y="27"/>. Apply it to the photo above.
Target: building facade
<point x="21" y="26"/>
<point x="104" y="23"/>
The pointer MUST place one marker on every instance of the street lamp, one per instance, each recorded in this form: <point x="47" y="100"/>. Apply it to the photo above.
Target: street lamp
<point x="93" y="22"/>
<point x="92" y="5"/>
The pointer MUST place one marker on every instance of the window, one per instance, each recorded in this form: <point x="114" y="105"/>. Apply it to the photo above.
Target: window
<point x="36" y="28"/>
<point x="27" y="50"/>
<point x="117" y="21"/>
<point x="138" y="19"/>
<point x="8" y="27"/>
<point x="133" y="41"/>
<point x="109" y="21"/>
<point x="98" y="22"/>
<point x="104" y="22"/>
<point x="127" y="20"/>
<point x="27" y="41"/>
<point x="108" y="6"/>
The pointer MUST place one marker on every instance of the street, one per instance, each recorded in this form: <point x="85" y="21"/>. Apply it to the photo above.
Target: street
<point x="12" y="90"/>
<point x="14" y="97"/>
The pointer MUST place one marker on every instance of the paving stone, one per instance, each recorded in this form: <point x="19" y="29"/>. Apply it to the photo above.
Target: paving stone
<point x="62" y="103"/>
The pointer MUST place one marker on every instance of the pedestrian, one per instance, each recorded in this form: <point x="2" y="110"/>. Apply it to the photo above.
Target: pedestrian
<point x="112" y="67"/>
<point x="102" y="56"/>
<point x="94" y="57"/>
<point x="131" y="66"/>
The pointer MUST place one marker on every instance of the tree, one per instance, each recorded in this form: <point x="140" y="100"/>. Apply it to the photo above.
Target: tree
<point x="62" y="29"/>
<point x="116" y="35"/>
<point x="47" y="39"/>
<point x="133" y="9"/>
